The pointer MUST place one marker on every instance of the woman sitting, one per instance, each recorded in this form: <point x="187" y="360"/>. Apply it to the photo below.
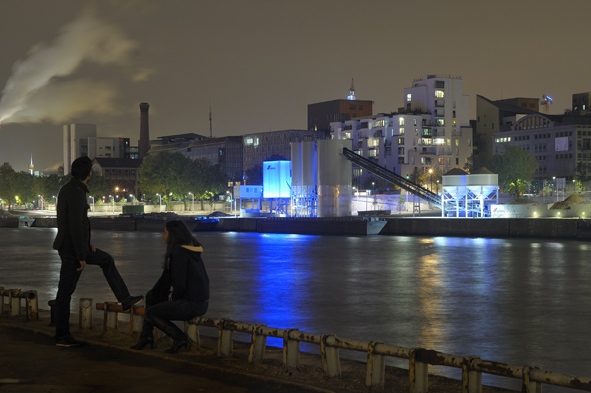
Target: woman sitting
<point x="182" y="291"/>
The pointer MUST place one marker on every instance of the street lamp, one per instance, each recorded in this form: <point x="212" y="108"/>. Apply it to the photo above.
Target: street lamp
<point x="92" y="203"/>
<point x="192" y="202"/>
<point x="112" y="202"/>
<point x="159" y="202"/>
<point x="431" y="179"/>
<point x="554" y="185"/>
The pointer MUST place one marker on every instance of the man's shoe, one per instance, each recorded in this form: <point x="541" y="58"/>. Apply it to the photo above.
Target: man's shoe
<point x="130" y="302"/>
<point x="68" y="342"/>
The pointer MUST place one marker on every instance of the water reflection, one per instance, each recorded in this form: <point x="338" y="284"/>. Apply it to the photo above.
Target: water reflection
<point x="517" y="301"/>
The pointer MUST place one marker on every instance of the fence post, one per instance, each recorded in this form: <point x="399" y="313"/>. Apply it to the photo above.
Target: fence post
<point x="376" y="366"/>
<point x="32" y="302"/>
<point x="111" y="317"/>
<point x="85" y="314"/>
<point x="15" y="303"/>
<point x="418" y="372"/>
<point x="258" y="343"/>
<point x="225" y="339"/>
<point x="136" y="321"/>
<point x="291" y="350"/>
<point x="192" y="330"/>
<point x="1" y="301"/>
<point x="331" y="361"/>
<point x="530" y="386"/>
<point x="471" y="380"/>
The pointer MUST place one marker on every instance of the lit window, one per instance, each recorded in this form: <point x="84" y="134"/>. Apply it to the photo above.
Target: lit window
<point x="439" y="94"/>
<point x="408" y="97"/>
<point x="401" y="131"/>
<point x="401" y="121"/>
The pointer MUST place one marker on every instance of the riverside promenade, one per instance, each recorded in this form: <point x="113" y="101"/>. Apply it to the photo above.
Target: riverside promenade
<point x="30" y="362"/>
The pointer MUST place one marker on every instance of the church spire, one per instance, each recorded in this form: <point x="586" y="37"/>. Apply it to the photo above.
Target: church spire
<point x="351" y="95"/>
<point x="31" y="166"/>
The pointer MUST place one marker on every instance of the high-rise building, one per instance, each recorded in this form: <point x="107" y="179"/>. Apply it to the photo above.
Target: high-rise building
<point x="75" y="141"/>
<point x="431" y="131"/>
<point x="80" y="140"/>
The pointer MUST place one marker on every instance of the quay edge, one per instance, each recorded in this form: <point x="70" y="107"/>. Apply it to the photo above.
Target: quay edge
<point x="560" y="228"/>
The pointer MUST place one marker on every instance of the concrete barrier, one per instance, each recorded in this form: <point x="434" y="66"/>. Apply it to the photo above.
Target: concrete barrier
<point x="490" y="227"/>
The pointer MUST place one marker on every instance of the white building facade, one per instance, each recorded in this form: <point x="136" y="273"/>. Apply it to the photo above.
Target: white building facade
<point x="80" y="140"/>
<point x="430" y="134"/>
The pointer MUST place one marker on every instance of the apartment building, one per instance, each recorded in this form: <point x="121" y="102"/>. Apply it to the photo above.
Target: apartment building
<point x="431" y="131"/>
<point x="81" y="140"/>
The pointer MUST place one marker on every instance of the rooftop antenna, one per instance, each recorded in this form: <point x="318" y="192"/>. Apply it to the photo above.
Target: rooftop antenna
<point x="351" y="95"/>
<point x="546" y="102"/>
<point x="210" y="127"/>
<point x="31" y="166"/>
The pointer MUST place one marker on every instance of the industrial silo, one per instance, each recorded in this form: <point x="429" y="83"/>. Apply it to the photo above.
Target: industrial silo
<point x="304" y="178"/>
<point x="334" y="178"/>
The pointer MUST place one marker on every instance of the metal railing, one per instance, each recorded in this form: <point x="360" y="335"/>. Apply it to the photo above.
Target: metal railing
<point x="419" y="359"/>
<point x="11" y="303"/>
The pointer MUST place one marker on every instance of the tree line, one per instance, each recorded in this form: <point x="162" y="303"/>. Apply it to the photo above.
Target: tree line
<point x="169" y="176"/>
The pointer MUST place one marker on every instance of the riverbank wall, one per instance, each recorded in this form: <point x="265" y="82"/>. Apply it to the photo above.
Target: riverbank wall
<point x="560" y="228"/>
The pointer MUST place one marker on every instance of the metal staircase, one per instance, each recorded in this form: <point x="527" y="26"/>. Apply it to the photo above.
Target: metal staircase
<point x="393" y="178"/>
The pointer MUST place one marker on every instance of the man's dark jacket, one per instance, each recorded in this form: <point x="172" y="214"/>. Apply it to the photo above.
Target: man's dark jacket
<point x="73" y="227"/>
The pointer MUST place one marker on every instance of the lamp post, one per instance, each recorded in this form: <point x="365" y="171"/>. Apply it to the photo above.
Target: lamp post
<point x="431" y="179"/>
<point x="554" y="185"/>
<point x="159" y="202"/>
<point x="192" y="202"/>
<point x="112" y="202"/>
<point x="92" y="203"/>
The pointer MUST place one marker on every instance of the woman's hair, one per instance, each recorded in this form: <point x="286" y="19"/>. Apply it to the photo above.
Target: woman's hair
<point x="178" y="235"/>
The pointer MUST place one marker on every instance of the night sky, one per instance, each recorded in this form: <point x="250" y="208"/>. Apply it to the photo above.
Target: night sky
<point x="260" y="63"/>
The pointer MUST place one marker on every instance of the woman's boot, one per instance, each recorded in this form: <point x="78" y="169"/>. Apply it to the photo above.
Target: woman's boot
<point x="146" y="337"/>
<point x="181" y="341"/>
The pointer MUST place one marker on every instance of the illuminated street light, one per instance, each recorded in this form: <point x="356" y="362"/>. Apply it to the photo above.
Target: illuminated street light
<point x="159" y="202"/>
<point x="431" y="179"/>
<point x="192" y="202"/>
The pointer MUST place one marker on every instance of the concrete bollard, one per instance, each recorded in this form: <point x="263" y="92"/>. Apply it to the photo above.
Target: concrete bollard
<point x="32" y="303"/>
<point x="51" y="305"/>
<point x="15" y="302"/>
<point x="85" y="314"/>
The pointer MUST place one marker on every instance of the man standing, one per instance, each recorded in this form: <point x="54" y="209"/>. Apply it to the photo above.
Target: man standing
<point x="75" y="250"/>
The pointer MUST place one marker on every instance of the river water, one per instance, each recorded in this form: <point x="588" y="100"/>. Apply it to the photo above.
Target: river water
<point x="516" y="301"/>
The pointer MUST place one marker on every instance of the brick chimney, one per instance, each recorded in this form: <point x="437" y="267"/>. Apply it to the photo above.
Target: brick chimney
<point x="144" y="144"/>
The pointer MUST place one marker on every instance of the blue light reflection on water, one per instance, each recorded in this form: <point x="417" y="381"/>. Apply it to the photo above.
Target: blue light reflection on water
<point x="517" y="301"/>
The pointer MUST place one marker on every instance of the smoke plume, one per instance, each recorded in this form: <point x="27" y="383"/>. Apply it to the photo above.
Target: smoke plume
<point x="43" y="88"/>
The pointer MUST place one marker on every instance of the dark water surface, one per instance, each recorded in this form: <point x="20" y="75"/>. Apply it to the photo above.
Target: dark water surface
<point x="521" y="302"/>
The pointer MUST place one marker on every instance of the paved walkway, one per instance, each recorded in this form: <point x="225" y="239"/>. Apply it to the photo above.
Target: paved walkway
<point x="30" y="362"/>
